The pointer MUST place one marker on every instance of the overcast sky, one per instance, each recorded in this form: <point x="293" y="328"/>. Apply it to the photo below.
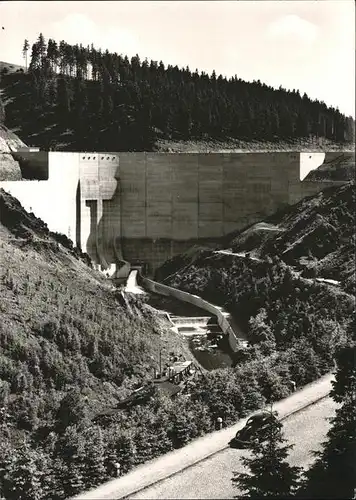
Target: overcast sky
<point x="308" y="45"/>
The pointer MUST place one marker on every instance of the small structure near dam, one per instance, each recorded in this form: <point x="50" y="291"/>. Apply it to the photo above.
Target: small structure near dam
<point x="144" y="208"/>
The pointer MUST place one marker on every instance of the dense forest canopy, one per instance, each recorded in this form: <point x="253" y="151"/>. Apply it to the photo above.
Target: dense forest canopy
<point x="107" y="101"/>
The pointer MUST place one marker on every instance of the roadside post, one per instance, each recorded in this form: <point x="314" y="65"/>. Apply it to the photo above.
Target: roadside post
<point x="219" y="423"/>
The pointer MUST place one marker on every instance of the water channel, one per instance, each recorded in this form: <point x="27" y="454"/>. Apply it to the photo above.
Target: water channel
<point x="199" y="329"/>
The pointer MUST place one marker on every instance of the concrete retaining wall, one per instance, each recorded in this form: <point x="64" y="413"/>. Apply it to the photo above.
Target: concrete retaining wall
<point x="224" y="318"/>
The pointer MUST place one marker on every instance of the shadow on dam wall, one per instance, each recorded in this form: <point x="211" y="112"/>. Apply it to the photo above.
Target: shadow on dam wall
<point x="106" y="245"/>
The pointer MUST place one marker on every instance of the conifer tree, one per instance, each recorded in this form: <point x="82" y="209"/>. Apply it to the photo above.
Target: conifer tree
<point x="42" y="49"/>
<point x="62" y="57"/>
<point x="125" y="450"/>
<point x="344" y="386"/>
<point x="171" y="101"/>
<point x="88" y="459"/>
<point x="270" y="475"/>
<point x="52" y="54"/>
<point x="259" y="327"/>
<point x="25" y="48"/>
<point x="22" y="476"/>
<point x="333" y="475"/>
<point x="71" y="451"/>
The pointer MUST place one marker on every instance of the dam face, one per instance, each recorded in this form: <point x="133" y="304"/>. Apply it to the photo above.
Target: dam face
<point x="148" y="207"/>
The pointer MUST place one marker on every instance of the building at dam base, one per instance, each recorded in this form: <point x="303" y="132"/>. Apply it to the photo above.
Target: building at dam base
<point x="144" y="208"/>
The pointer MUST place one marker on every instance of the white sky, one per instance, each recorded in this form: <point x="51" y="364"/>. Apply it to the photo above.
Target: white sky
<point x="307" y="45"/>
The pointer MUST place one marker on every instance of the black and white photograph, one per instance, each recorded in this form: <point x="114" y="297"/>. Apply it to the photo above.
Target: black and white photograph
<point x="177" y="250"/>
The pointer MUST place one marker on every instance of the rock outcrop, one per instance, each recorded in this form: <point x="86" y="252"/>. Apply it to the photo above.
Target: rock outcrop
<point x="9" y="168"/>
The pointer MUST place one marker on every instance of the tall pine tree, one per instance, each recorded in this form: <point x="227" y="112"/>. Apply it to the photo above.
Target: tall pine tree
<point x="333" y="475"/>
<point x="25" y="48"/>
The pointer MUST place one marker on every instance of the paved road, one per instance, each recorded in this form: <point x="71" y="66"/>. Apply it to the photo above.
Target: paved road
<point x="175" y="461"/>
<point x="237" y="254"/>
<point x="212" y="477"/>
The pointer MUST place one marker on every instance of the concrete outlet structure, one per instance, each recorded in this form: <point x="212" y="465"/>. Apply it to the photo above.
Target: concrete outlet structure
<point x="147" y="207"/>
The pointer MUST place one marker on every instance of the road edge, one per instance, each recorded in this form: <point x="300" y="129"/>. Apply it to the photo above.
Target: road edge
<point x="95" y="494"/>
<point x="210" y="455"/>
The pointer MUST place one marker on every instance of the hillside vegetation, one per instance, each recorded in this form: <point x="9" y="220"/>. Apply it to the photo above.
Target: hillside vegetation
<point x="70" y="346"/>
<point x="340" y="167"/>
<point x="76" y="97"/>
<point x="315" y="236"/>
<point x="292" y="248"/>
<point x="73" y="347"/>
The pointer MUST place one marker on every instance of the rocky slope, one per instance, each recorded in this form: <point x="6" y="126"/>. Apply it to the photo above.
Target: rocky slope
<point x="316" y="236"/>
<point x="9" y="168"/>
<point x="336" y="167"/>
<point x="9" y="141"/>
<point x="293" y="272"/>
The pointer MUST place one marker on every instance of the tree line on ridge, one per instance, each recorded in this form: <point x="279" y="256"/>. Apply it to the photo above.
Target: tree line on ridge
<point x="107" y="101"/>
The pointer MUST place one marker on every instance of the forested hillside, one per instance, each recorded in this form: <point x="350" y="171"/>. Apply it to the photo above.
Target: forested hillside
<point x="72" y="347"/>
<point x="276" y="263"/>
<point x="76" y="97"/>
<point x="315" y="236"/>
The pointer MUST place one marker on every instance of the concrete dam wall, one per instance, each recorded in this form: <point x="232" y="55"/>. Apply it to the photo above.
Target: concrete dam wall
<point x="148" y="207"/>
